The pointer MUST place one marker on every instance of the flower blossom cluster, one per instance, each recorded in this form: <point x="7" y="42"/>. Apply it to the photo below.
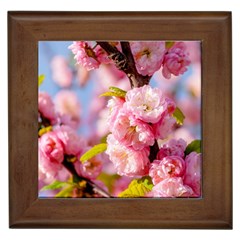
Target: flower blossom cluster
<point x="88" y="55"/>
<point x="174" y="174"/>
<point x="62" y="142"/>
<point x="175" y="60"/>
<point x="149" y="56"/>
<point x="135" y="123"/>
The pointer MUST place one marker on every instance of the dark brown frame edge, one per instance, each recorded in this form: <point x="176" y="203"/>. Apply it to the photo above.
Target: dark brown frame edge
<point x="213" y="211"/>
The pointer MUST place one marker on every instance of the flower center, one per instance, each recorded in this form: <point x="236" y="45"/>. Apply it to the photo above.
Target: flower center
<point x="146" y="108"/>
<point x="146" y="52"/>
<point x="90" y="52"/>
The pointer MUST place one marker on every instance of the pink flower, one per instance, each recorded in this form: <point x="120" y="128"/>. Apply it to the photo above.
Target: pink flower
<point x="114" y="105"/>
<point x="171" y="187"/>
<point x="126" y="160"/>
<point x="171" y="106"/>
<point x="102" y="129"/>
<point x="68" y="105"/>
<point x="148" y="56"/>
<point x="46" y="107"/>
<point x="101" y="55"/>
<point x="61" y="72"/>
<point x="73" y="144"/>
<point x="183" y="132"/>
<point x="89" y="169"/>
<point x="130" y="131"/>
<point x="84" y="55"/>
<point x="171" y="166"/>
<point x="88" y="55"/>
<point x="172" y="148"/>
<point x="146" y="103"/>
<point x="193" y="172"/>
<point x="164" y="127"/>
<point x="50" y="154"/>
<point x="82" y="76"/>
<point x="61" y="175"/>
<point x="175" y="60"/>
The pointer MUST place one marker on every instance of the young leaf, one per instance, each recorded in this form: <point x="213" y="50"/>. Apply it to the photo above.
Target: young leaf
<point x="117" y="90"/>
<point x="104" y="138"/>
<point x="102" y="147"/>
<point x="41" y="79"/>
<point x="114" y="92"/>
<point x="169" y="44"/>
<point x="44" y="130"/>
<point x="55" y="185"/>
<point x="138" y="188"/>
<point x="179" y="116"/>
<point x="194" y="146"/>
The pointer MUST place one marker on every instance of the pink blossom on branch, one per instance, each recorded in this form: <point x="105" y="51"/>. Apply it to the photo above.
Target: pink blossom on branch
<point x="50" y="154"/>
<point x="130" y="131"/>
<point x="69" y="108"/>
<point x="88" y="55"/>
<point x="171" y="166"/>
<point x="175" y="60"/>
<point x="126" y="160"/>
<point x="89" y="169"/>
<point x="73" y="144"/>
<point x="164" y="127"/>
<point x="171" y="187"/>
<point x="114" y="105"/>
<point x="146" y="103"/>
<point x="193" y="172"/>
<point x="148" y="56"/>
<point x="46" y="107"/>
<point x="172" y="148"/>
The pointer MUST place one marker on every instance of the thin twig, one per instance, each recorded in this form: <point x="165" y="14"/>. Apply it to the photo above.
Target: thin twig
<point x="90" y="184"/>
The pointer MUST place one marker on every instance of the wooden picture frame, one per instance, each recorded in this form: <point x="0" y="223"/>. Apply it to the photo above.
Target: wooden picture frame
<point x="213" y="210"/>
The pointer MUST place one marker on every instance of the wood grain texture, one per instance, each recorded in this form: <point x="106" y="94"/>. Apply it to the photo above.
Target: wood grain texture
<point x="213" y="211"/>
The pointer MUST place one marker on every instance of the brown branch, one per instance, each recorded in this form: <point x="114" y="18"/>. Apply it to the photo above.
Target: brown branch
<point x="153" y="151"/>
<point x="90" y="184"/>
<point x="125" y="62"/>
<point x="138" y="78"/>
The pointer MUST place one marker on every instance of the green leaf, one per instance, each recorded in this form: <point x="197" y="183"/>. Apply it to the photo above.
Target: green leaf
<point x="114" y="92"/>
<point x="104" y="138"/>
<point x="178" y="114"/>
<point x="66" y="192"/>
<point x="169" y="44"/>
<point x="41" y="79"/>
<point x="194" y="146"/>
<point x="55" y="185"/>
<point x="117" y="90"/>
<point x="138" y="188"/>
<point x="44" y="130"/>
<point x="102" y="147"/>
